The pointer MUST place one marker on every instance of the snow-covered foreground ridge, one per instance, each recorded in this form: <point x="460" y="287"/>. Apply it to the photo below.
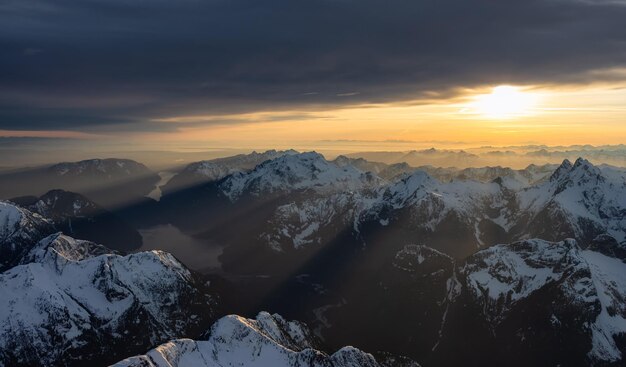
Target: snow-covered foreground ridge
<point x="267" y="341"/>
<point x="62" y="297"/>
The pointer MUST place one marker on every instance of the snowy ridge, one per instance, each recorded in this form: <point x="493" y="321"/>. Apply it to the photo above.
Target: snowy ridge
<point x="460" y="195"/>
<point x="59" y="246"/>
<point x="318" y="198"/>
<point x="431" y="201"/>
<point x="299" y="224"/>
<point x="19" y="230"/>
<point x="18" y="223"/>
<point x="219" y="168"/>
<point x="607" y="275"/>
<point x="10" y="219"/>
<point x="578" y="200"/>
<point x="268" y="340"/>
<point x="590" y="201"/>
<point x="512" y="178"/>
<point x="216" y="169"/>
<point x="502" y="276"/>
<point x="73" y="295"/>
<point x="296" y="172"/>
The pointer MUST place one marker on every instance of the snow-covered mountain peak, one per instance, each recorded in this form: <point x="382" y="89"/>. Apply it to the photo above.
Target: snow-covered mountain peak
<point x="562" y="170"/>
<point x="523" y="274"/>
<point x="221" y="167"/>
<point x="505" y="274"/>
<point x="59" y="247"/>
<point x="202" y="172"/>
<point x="289" y="334"/>
<point x="73" y="296"/>
<point x="583" y="167"/>
<point x="409" y="184"/>
<point x="308" y="170"/>
<point x="273" y="153"/>
<point x="10" y="218"/>
<point x="234" y="341"/>
<point x="20" y="229"/>
<point x="582" y="162"/>
<point x="581" y="172"/>
<point x="580" y="201"/>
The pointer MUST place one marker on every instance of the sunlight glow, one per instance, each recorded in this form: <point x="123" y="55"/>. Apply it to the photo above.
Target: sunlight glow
<point x="505" y="102"/>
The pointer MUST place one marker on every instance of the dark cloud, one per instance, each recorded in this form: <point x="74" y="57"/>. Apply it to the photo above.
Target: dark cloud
<point x="141" y="60"/>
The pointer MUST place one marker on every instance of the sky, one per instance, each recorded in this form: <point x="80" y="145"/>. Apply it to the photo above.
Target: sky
<point x="333" y="74"/>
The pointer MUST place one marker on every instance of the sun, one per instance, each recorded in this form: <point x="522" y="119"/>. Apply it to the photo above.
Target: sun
<point x="504" y="102"/>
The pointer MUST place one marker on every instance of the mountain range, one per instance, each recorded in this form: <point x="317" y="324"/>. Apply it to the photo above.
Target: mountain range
<point x="436" y="266"/>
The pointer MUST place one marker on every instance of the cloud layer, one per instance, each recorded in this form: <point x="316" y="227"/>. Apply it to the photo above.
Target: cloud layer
<point x="117" y="64"/>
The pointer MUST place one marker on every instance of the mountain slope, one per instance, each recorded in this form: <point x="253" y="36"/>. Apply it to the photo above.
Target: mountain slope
<point x="302" y="202"/>
<point x="20" y="229"/>
<point x="68" y="295"/>
<point x="304" y="171"/>
<point x="213" y="170"/>
<point x="536" y="294"/>
<point x="579" y="200"/>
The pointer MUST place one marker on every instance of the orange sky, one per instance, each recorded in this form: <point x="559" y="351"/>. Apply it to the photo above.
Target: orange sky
<point x="546" y="115"/>
<point x="594" y="115"/>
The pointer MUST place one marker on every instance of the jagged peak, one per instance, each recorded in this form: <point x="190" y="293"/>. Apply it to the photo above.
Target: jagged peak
<point x="583" y="163"/>
<point x="563" y="169"/>
<point x="583" y="168"/>
<point x="577" y="171"/>
<point x="268" y="340"/>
